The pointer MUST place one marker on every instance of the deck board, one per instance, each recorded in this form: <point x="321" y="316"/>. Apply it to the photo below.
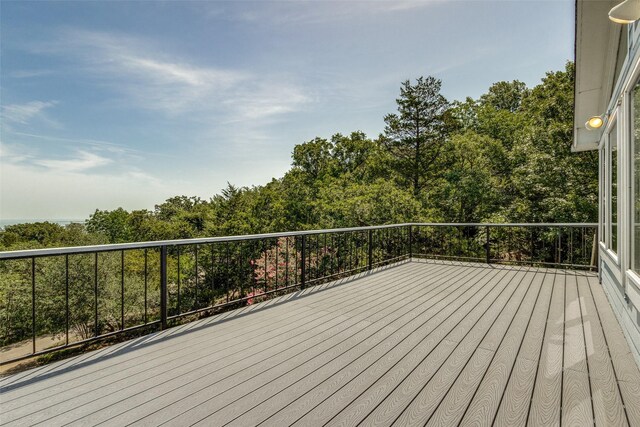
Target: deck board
<point x="480" y="339"/>
<point x="547" y="391"/>
<point x="605" y="394"/>
<point x="401" y="385"/>
<point x="370" y="347"/>
<point x="372" y="384"/>
<point x="625" y="369"/>
<point x="576" y="395"/>
<point x="488" y="394"/>
<point x="423" y="342"/>
<point x="388" y="316"/>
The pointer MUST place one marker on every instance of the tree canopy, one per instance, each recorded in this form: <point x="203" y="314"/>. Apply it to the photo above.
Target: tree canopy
<point x="502" y="157"/>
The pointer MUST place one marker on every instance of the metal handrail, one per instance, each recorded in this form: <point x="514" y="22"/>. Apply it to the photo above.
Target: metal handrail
<point x="73" y="250"/>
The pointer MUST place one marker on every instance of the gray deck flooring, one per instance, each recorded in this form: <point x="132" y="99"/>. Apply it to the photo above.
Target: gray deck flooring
<point x="420" y="343"/>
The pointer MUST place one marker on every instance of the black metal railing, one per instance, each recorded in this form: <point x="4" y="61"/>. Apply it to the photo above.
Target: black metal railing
<point x="52" y="299"/>
<point x="571" y="245"/>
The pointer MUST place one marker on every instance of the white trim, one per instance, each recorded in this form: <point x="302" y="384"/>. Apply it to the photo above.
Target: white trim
<point x="627" y="173"/>
<point x="613" y="128"/>
<point x="633" y="278"/>
<point x="611" y="260"/>
<point x="613" y="257"/>
<point x="602" y="194"/>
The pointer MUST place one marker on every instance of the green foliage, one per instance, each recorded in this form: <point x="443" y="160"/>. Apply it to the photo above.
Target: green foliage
<point x="472" y="185"/>
<point x="380" y="202"/>
<point x="416" y="135"/>
<point x="114" y="225"/>
<point x="42" y="233"/>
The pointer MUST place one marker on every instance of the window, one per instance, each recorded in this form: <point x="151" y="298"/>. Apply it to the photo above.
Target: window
<point x="603" y="198"/>
<point x="635" y="167"/>
<point x="613" y="188"/>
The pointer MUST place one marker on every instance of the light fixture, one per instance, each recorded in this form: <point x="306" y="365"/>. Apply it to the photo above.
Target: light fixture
<point x="626" y="12"/>
<point x="594" y="122"/>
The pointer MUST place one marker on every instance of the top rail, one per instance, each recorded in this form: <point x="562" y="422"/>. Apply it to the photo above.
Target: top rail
<point x="71" y="250"/>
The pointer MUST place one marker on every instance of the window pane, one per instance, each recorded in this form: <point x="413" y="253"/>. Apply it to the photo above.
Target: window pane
<point x="635" y="254"/>
<point x="603" y="200"/>
<point x="613" y="147"/>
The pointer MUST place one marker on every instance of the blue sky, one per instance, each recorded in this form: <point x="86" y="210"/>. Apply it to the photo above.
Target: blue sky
<point x="124" y="104"/>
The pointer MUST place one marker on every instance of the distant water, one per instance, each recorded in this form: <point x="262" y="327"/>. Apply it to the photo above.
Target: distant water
<point x="6" y="222"/>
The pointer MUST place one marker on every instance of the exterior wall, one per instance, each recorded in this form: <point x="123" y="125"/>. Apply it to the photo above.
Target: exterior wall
<point x="621" y="284"/>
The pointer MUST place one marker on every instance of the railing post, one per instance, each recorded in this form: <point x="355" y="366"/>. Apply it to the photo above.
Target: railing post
<point x="594" y="254"/>
<point x="488" y="241"/>
<point x="303" y="253"/>
<point x="410" y="242"/>
<point x="370" y="251"/>
<point x="163" y="287"/>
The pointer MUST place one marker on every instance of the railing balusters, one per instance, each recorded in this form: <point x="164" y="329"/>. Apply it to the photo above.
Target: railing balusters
<point x="276" y="261"/>
<point x="213" y="270"/>
<point x="286" y="262"/>
<point x="303" y="262"/>
<point x="410" y="242"/>
<point x="146" y="287"/>
<point x="33" y="303"/>
<point x="488" y="243"/>
<point x="164" y="292"/>
<point x="226" y="267"/>
<point x="295" y="261"/>
<point x="571" y="260"/>
<point x="121" y="290"/>
<point x="178" y="308"/>
<point x="95" y="288"/>
<point x="324" y="256"/>
<point x="66" y="298"/>
<point x="308" y="253"/>
<point x="197" y="282"/>
<point x="370" y="249"/>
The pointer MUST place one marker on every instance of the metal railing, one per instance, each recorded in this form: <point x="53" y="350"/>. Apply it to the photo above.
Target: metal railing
<point x="53" y="299"/>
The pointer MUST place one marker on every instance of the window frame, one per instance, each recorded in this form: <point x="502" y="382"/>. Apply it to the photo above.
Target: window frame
<point x="626" y="148"/>
<point x="602" y="196"/>
<point x="628" y="174"/>
<point x="613" y="126"/>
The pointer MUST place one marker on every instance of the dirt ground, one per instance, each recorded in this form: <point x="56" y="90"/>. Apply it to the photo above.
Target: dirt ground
<point x="25" y="347"/>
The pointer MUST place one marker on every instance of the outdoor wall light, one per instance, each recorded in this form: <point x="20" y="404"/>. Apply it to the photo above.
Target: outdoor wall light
<point x="594" y="122"/>
<point x="626" y="12"/>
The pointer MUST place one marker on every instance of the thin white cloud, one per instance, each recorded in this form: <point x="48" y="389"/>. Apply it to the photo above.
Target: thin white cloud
<point x="154" y="80"/>
<point x="14" y="154"/>
<point x="25" y="113"/>
<point x="25" y="74"/>
<point x="69" y="159"/>
<point x="321" y="12"/>
<point x="93" y="143"/>
<point x="81" y="161"/>
<point x="266" y="101"/>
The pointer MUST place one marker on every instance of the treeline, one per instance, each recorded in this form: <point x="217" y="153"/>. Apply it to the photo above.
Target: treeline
<point x="504" y="157"/>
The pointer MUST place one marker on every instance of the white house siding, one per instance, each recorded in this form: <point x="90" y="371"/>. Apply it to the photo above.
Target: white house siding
<point x="621" y="284"/>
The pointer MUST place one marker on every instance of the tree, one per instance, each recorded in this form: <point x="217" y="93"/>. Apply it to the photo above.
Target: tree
<point x="505" y="95"/>
<point x="44" y="233"/>
<point x="473" y="185"/>
<point x="112" y="224"/>
<point x="552" y="184"/>
<point x="343" y="204"/>
<point x="313" y="157"/>
<point x="415" y="136"/>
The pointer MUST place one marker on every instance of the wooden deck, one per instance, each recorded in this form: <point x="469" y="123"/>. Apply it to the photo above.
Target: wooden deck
<point x="417" y="344"/>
